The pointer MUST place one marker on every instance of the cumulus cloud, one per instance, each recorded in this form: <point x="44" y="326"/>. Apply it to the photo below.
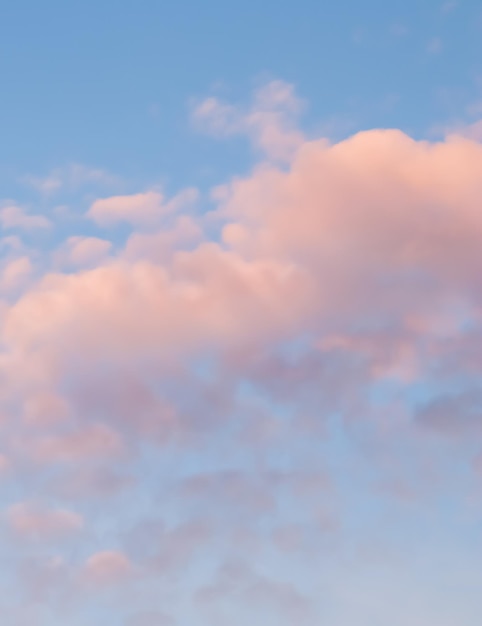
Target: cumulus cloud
<point x="15" y="273"/>
<point x="83" y="252"/>
<point x="381" y="233"/>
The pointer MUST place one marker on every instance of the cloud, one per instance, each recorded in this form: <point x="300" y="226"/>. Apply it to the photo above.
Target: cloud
<point x="13" y="216"/>
<point x="15" y="274"/>
<point x="84" y="482"/>
<point x="89" y="442"/>
<point x="453" y="414"/>
<point x="83" y="252"/>
<point x="70" y="178"/>
<point x="45" y="408"/>
<point x="269" y="122"/>
<point x="237" y="494"/>
<point x="272" y="375"/>
<point x="141" y="209"/>
<point x="376" y="225"/>
<point x="34" y="521"/>
<point x="258" y="595"/>
<point x="4" y="464"/>
<point x="107" y="568"/>
<point x="150" y="618"/>
<point x="161" y="245"/>
<point x="471" y="131"/>
<point x="372" y="205"/>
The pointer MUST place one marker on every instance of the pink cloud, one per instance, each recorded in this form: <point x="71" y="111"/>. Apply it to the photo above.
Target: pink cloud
<point x="83" y="252"/>
<point x="13" y="216"/>
<point x="45" y="409"/>
<point x="356" y="265"/>
<point x="107" y="568"/>
<point x="133" y="312"/>
<point x="471" y="131"/>
<point x="34" y="521"/>
<point x="94" y="441"/>
<point x="89" y="483"/>
<point x="142" y="209"/>
<point x="161" y="245"/>
<point x="378" y="224"/>
<point x="15" y="274"/>
<point x="269" y="122"/>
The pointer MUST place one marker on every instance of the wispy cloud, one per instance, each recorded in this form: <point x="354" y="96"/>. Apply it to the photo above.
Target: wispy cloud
<point x="269" y="122"/>
<point x="13" y="216"/>
<point x="71" y="178"/>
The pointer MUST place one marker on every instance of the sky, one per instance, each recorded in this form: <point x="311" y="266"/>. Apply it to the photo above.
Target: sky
<point x="240" y="313"/>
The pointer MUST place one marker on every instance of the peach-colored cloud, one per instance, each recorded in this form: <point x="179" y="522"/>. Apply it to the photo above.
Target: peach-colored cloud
<point x="45" y="408"/>
<point x="142" y="209"/>
<point x="35" y="521"/>
<point x="138" y="208"/>
<point x="378" y="224"/>
<point x="369" y="210"/>
<point x="362" y="245"/>
<point x="88" y="442"/>
<point x="15" y="274"/>
<point x="107" y="567"/>
<point x="13" y="216"/>
<point x="471" y="131"/>
<point x="83" y="252"/>
<point x="186" y="387"/>
<point x="135" y="311"/>
<point x="161" y="245"/>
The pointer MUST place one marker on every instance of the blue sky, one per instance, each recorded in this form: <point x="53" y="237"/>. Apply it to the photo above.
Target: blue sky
<point x="109" y="84"/>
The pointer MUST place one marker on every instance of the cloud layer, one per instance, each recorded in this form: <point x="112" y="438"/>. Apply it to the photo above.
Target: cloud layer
<point x="282" y="375"/>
